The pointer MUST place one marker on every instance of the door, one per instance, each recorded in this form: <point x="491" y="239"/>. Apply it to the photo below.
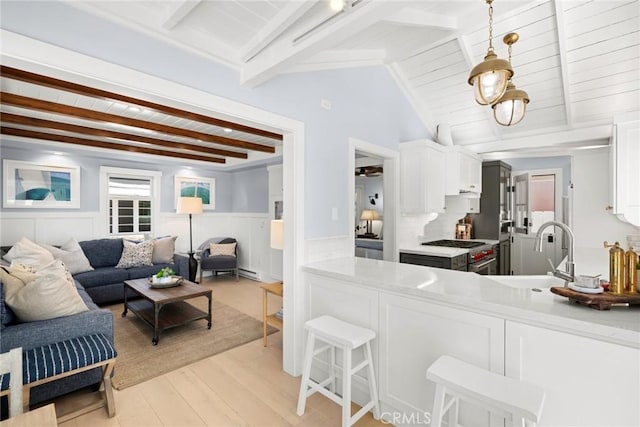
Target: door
<point x="537" y="199"/>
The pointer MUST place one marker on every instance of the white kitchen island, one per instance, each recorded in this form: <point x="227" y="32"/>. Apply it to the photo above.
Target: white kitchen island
<point x="588" y="361"/>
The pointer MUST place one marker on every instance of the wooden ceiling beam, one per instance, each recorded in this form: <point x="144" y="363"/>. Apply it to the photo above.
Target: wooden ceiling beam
<point x="51" y="82"/>
<point x="57" y="108"/>
<point x="104" y="144"/>
<point x="68" y="127"/>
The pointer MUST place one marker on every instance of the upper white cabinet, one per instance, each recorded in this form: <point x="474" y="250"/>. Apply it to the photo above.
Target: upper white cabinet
<point x="422" y="177"/>
<point x="625" y="159"/>
<point x="464" y="171"/>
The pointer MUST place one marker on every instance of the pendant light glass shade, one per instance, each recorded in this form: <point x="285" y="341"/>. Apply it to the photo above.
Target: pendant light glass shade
<point x="510" y="109"/>
<point x="489" y="78"/>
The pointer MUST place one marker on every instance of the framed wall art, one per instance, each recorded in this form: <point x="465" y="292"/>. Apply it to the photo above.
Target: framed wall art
<point x="189" y="186"/>
<point x="35" y="185"/>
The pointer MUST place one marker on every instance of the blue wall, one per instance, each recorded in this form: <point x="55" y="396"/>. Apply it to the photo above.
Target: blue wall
<point x="239" y="191"/>
<point x="366" y="102"/>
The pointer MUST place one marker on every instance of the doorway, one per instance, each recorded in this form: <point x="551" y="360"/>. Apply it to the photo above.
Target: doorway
<point x="538" y="199"/>
<point x="373" y="179"/>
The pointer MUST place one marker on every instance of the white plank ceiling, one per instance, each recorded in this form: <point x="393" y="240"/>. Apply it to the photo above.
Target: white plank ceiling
<point x="578" y="60"/>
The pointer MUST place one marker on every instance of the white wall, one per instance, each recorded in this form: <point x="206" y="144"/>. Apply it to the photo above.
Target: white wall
<point x="592" y="223"/>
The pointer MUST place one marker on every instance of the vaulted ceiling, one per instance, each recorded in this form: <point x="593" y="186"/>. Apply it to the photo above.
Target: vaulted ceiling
<point x="578" y="60"/>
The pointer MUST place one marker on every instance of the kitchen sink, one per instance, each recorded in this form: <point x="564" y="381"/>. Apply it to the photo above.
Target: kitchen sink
<point x="528" y="282"/>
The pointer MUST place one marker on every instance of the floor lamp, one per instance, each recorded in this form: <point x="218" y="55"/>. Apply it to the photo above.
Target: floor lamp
<point x="191" y="206"/>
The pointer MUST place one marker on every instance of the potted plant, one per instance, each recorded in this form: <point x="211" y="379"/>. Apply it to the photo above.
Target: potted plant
<point x="164" y="276"/>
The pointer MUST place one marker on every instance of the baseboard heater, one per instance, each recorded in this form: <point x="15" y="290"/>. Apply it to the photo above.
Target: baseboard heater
<point x="249" y="274"/>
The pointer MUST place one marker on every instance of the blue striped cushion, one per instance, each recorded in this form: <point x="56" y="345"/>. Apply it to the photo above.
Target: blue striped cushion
<point x="53" y="359"/>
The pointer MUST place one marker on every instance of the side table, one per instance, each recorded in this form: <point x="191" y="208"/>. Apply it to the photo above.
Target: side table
<point x="270" y="319"/>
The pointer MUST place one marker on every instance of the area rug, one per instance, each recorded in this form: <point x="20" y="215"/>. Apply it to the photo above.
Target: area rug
<point x="139" y="360"/>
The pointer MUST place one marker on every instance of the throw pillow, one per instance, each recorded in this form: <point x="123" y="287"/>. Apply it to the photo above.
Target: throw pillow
<point x="29" y="253"/>
<point x="40" y="296"/>
<point x="72" y="255"/>
<point x="163" y="249"/>
<point x="136" y="254"/>
<point x="222" y="249"/>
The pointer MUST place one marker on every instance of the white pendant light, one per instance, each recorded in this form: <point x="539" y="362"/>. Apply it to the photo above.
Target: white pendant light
<point x="511" y="107"/>
<point x="489" y="78"/>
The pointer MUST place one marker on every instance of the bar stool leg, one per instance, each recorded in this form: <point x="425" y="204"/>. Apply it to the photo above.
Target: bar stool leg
<point x="332" y="370"/>
<point x="306" y="373"/>
<point x="346" y="387"/>
<point x="373" y="388"/>
<point x="438" y="405"/>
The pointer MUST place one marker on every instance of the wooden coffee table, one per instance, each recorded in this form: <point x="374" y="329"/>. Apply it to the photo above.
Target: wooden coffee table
<point x="164" y="308"/>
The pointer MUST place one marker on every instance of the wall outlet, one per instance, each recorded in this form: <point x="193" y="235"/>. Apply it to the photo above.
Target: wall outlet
<point x="334" y="214"/>
<point x="326" y="104"/>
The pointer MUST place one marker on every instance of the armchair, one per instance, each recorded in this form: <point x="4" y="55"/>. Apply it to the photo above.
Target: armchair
<point x="217" y="263"/>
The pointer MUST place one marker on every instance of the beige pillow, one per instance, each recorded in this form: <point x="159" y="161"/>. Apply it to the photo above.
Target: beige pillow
<point x="136" y="254"/>
<point x="163" y="249"/>
<point x="222" y="249"/>
<point x="28" y="253"/>
<point x="44" y="295"/>
<point x="72" y="255"/>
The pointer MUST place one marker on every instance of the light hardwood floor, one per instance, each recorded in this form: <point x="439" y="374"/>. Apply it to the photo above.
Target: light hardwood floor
<point x="244" y="386"/>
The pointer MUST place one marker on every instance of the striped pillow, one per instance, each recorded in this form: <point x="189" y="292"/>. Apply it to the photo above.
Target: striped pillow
<point x="222" y="249"/>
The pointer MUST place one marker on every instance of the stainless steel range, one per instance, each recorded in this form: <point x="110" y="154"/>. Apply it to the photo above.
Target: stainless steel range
<point x="480" y="259"/>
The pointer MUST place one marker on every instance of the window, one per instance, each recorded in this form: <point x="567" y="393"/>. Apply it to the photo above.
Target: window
<point x="131" y="197"/>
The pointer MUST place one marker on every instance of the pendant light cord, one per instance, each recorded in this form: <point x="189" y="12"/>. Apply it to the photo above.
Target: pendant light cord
<point x="490" y="25"/>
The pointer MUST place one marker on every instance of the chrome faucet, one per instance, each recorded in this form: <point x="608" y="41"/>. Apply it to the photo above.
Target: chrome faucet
<point x="569" y="274"/>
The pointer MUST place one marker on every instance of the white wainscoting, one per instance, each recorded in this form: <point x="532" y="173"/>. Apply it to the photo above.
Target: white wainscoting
<point x="53" y="228"/>
<point x="251" y="230"/>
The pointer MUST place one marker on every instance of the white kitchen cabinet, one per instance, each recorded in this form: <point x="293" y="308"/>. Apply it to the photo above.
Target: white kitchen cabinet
<point x="625" y="161"/>
<point x="567" y="367"/>
<point x="422" y="181"/>
<point x="463" y="171"/>
<point x="413" y="334"/>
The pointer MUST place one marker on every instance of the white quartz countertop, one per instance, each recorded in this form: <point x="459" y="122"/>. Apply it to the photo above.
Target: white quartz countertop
<point x="440" y="251"/>
<point x="473" y="292"/>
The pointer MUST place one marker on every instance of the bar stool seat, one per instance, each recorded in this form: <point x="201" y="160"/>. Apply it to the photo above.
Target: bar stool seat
<point x="337" y="334"/>
<point x="515" y="400"/>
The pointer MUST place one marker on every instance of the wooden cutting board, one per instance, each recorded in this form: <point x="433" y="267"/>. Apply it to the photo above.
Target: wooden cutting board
<point x="601" y="301"/>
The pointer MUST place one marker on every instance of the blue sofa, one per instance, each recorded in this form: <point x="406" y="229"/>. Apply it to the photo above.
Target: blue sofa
<point x="102" y="285"/>
<point x="105" y="284"/>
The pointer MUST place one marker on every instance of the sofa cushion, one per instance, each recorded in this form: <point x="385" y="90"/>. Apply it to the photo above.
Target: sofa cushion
<point x="102" y="252"/>
<point x="71" y="254"/>
<point x="146" y="271"/>
<point x="28" y="253"/>
<point x="7" y="317"/>
<point x="102" y="276"/>
<point x="163" y="249"/>
<point x="47" y="294"/>
<point x="136" y="254"/>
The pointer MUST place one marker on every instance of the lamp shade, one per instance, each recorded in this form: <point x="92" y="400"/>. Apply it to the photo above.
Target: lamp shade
<point x="277" y="234"/>
<point x="369" y="214"/>
<point x="189" y="205"/>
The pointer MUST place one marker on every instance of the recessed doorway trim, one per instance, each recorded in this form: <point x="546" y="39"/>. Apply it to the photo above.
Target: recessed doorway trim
<point x="390" y="179"/>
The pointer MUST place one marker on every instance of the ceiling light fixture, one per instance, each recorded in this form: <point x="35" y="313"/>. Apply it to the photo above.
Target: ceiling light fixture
<point x="228" y="130"/>
<point x="337" y="5"/>
<point x="490" y="77"/>
<point x="510" y="108"/>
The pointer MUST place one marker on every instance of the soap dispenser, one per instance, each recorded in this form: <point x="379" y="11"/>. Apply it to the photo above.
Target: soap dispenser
<point x="616" y="268"/>
<point x="630" y="270"/>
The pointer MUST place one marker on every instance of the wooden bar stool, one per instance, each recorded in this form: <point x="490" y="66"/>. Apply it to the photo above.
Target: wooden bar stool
<point x="337" y="334"/>
<point x="517" y="401"/>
